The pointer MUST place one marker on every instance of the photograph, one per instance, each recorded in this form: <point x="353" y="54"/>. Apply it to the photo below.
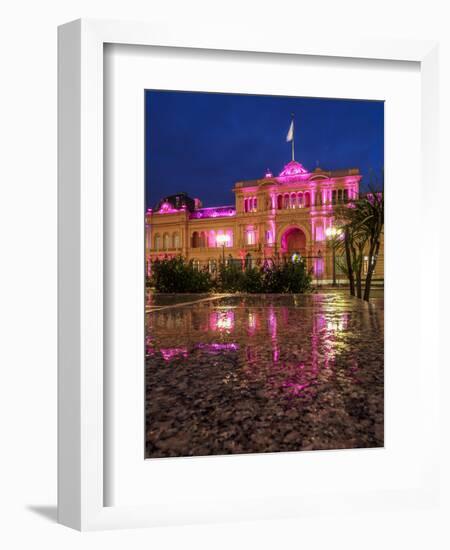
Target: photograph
<point x="264" y="274"/>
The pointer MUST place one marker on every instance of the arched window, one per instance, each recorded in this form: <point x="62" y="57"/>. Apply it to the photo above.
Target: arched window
<point x="286" y="201"/>
<point x="251" y="236"/>
<point x="157" y="242"/>
<point x="203" y="239"/>
<point x="166" y="241"/>
<point x="176" y="240"/>
<point x="195" y="239"/>
<point x="280" y="202"/>
<point x="245" y="205"/>
<point x="293" y="201"/>
<point x="254" y="204"/>
<point x="318" y="198"/>
<point x="307" y="199"/>
<point x="300" y="199"/>
<point x="339" y="195"/>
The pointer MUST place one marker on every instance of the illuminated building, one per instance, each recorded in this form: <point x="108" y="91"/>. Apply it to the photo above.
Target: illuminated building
<point x="273" y="218"/>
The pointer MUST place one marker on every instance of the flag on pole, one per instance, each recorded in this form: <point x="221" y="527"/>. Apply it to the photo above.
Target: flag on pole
<point x="290" y="134"/>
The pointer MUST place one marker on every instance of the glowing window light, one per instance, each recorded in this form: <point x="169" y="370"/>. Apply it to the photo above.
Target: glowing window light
<point x="251" y="237"/>
<point x="223" y="239"/>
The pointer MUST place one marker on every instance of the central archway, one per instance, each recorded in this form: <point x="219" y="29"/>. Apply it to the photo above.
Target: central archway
<point x="293" y="241"/>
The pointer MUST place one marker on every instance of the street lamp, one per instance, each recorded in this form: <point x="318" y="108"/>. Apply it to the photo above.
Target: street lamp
<point x="332" y="233"/>
<point x="223" y="240"/>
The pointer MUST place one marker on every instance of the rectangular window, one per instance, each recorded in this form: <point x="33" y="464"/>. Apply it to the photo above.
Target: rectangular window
<point x="251" y="237"/>
<point x="319" y="233"/>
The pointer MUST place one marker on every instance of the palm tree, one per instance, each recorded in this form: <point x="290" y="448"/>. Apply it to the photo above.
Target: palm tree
<point x="361" y="223"/>
<point x="373" y="224"/>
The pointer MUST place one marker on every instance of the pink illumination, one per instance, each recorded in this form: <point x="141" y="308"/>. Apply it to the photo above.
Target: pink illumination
<point x="213" y="212"/>
<point x="320" y="233"/>
<point x="295" y="388"/>
<point x="293" y="240"/>
<point x="167" y="208"/>
<point x="293" y="171"/>
<point x="293" y="168"/>
<point x="273" y="230"/>
<point x="318" y="267"/>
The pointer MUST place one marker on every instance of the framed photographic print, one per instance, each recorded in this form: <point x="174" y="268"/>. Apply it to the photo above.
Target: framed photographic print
<point x="254" y="339"/>
<point x="234" y="341"/>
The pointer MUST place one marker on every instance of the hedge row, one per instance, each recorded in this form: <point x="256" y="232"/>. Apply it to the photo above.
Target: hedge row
<point x="176" y="275"/>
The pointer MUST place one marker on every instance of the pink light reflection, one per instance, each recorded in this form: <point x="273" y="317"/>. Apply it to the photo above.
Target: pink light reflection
<point x="170" y="353"/>
<point x="221" y="320"/>
<point x="216" y="347"/>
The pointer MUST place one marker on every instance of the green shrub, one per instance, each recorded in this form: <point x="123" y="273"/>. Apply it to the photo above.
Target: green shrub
<point x="230" y="278"/>
<point x="295" y="278"/>
<point x="253" y="280"/>
<point x="288" y="277"/>
<point x="175" y="275"/>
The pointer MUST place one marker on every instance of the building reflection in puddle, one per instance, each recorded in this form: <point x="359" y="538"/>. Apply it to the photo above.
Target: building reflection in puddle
<point x="221" y="320"/>
<point x="289" y="347"/>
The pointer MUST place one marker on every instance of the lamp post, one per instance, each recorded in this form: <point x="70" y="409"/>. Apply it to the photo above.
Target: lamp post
<point x="223" y="240"/>
<point x="332" y="233"/>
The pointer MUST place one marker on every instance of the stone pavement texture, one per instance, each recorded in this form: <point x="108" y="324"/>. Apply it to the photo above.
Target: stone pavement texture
<point x="252" y="373"/>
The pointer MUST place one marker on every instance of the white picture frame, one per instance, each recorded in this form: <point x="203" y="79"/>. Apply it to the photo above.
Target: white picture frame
<point x="81" y="481"/>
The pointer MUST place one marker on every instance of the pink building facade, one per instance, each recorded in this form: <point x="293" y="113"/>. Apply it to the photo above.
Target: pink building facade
<point x="274" y="218"/>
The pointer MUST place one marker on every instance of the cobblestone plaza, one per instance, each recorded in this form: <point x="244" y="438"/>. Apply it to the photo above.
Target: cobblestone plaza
<point x="264" y="373"/>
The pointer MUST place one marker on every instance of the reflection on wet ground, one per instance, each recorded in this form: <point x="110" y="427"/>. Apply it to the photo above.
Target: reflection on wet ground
<point x="246" y="374"/>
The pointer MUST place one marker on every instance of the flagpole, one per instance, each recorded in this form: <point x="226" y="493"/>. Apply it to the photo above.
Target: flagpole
<point x="293" y="138"/>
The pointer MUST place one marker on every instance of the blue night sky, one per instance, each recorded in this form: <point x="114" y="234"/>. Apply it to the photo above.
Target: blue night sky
<point x="202" y="143"/>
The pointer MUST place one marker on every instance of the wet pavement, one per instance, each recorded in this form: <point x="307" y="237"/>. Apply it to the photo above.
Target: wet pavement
<point x="263" y="373"/>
